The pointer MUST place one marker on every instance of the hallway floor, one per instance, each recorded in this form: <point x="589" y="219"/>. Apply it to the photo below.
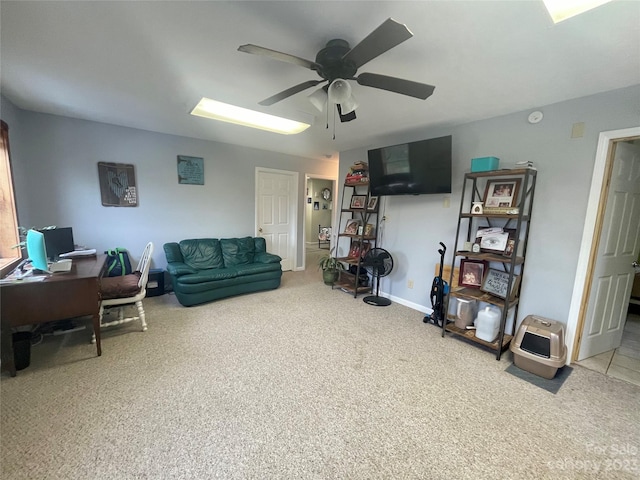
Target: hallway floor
<point x="622" y="363"/>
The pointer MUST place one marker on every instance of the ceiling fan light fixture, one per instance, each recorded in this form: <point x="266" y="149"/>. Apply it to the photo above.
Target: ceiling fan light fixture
<point x="339" y="91"/>
<point x="319" y="99"/>
<point x="225" y="112"/>
<point x="349" y="105"/>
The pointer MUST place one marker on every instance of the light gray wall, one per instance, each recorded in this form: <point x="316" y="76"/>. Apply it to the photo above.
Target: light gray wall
<point x="56" y="180"/>
<point x="415" y="224"/>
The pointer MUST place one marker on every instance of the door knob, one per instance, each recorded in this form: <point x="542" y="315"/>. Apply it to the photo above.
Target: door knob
<point x="635" y="265"/>
<point x="260" y="229"/>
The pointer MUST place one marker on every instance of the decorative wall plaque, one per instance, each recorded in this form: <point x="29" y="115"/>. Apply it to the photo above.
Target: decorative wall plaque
<point x="190" y="170"/>
<point x="117" y="184"/>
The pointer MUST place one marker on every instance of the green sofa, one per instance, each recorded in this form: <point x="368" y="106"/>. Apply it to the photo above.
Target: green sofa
<point x="207" y="269"/>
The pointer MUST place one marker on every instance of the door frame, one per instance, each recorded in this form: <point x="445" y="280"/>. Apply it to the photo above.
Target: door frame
<point x="591" y="235"/>
<point x="293" y="206"/>
<point x="313" y="176"/>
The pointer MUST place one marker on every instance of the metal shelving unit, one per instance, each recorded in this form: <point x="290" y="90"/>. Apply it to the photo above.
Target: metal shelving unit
<point x="349" y="281"/>
<point x="513" y="265"/>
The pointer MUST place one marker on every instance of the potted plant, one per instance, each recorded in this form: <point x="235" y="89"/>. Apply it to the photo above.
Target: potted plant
<point x="330" y="268"/>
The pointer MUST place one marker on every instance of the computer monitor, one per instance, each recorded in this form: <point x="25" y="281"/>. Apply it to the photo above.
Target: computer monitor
<point x="57" y="241"/>
<point x="37" y="251"/>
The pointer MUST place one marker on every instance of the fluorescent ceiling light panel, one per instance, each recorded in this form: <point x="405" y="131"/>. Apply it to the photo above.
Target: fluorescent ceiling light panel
<point x="249" y="118"/>
<point x="562" y="9"/>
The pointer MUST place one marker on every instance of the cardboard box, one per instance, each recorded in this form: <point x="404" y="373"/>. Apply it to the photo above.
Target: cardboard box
<point x="484" y="164"/>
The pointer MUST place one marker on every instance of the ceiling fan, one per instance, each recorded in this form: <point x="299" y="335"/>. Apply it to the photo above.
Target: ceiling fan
<point x="337" y="63"/>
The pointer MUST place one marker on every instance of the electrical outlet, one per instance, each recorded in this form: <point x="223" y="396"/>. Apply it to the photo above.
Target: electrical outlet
<point x="409" y="283"/>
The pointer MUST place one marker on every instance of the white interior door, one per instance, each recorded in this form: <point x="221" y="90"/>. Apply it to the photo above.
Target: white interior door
<point x="618" y="248"/>
<point x="276" y="200"/>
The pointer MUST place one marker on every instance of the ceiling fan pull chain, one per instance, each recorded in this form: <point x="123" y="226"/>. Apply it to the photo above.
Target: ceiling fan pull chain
<point x="327" y="108"/>
<point x="334" y="124"/>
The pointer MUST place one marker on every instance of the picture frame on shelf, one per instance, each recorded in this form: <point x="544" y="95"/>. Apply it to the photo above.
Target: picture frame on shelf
<point x="496" y="282"/>
<point x="472" y="273"/>
<point x="358" y="201"/>
<point x="511" y="242"/>
<point x="373" y="203"/>
<point x="502" y="193"/>
<point x="369" y="230"/>
<point x="354" y="250"/>
<point x="358" y="249"/>
<point x="494" y="242"/>
<point x="351" y="227"/>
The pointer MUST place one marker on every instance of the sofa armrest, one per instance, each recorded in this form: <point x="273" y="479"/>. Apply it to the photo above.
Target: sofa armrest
<point x="264" y="257"/>
<point x="177" y="269"/>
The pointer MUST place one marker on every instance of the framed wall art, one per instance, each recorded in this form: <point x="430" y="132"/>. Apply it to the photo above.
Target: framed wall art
<point x="117" y="184"/>
<point x="472" y="273"/>
<point x="496" y="282"/>
<point x="373" y="203"/>
<point x="190" y="170"/>
<point x="351" y="228"/>
<point x="494" y="242"/>
<point x="358" y="201"/>
<point x="502" y="193"/>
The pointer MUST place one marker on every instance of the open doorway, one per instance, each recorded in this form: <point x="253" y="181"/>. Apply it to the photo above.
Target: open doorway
<point x="597" y="324"/>
<point x="319" y="215"/>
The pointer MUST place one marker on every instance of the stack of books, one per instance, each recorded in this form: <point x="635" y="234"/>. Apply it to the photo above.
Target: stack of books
<point x="525" y="164"/>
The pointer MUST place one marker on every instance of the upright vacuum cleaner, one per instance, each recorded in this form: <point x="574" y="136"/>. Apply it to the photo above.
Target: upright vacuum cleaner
<point x="438" y="290"/>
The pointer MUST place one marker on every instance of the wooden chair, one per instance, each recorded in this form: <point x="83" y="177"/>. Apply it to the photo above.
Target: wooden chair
<point x="124" y="291"/>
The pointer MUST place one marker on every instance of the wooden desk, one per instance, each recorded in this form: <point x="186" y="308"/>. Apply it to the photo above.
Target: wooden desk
<point x="58" y="297"/>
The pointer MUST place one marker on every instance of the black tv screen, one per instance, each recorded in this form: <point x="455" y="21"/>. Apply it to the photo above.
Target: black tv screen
<point x="413" y="168"/>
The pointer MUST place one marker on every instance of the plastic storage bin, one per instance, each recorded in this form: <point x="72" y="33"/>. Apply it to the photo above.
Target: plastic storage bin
<point x="539" y="347"/>
<point x="484" y="164"/>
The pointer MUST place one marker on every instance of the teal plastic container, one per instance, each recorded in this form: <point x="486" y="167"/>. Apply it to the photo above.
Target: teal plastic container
<point x="484" y="164"/>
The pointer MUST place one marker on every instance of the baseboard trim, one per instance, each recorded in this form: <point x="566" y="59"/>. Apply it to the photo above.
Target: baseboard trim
<point x="407" y="303"/>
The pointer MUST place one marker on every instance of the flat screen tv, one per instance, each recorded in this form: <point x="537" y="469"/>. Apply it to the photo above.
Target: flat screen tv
<point x="413" y="168"/>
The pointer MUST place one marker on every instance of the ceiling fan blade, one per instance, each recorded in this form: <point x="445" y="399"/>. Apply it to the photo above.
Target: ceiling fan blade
<point x="383" y="38"/>
<point x="283" y="57"/>
<point x="289" y="91"/>
<point x="397" y="85"/>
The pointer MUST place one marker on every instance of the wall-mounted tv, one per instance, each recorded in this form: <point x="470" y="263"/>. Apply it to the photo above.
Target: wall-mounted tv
<point x="413" y="168"/>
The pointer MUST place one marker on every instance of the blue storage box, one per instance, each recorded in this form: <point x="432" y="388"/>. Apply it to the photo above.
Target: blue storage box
<point x="484" y="164"/>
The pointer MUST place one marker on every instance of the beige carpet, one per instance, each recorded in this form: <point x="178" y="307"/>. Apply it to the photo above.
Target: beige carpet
<point x="302" y="382"/>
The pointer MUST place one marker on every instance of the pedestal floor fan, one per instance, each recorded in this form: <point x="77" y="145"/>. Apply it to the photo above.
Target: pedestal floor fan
<point x="379" y="263"/>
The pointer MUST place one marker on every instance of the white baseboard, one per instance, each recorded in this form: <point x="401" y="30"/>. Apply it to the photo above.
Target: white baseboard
<point x="406" y="303"/>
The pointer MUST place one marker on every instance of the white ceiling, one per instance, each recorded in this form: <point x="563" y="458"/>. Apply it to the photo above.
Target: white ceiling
<point x="146" y="64"/>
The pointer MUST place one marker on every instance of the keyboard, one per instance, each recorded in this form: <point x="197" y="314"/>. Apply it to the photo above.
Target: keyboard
<point x="61" y="266"/>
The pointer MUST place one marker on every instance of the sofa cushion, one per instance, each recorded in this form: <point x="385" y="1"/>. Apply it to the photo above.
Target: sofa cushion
<point x="172" y="252"/>
<point x="189" y="288"/>
<point x="260" y="244"/>
<point x="122" y="286"/>
<point x="208" y="275"/>
<point x="237" y="251"/>
<point x="202" y="254"/>
<point x="254" y="268"/>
